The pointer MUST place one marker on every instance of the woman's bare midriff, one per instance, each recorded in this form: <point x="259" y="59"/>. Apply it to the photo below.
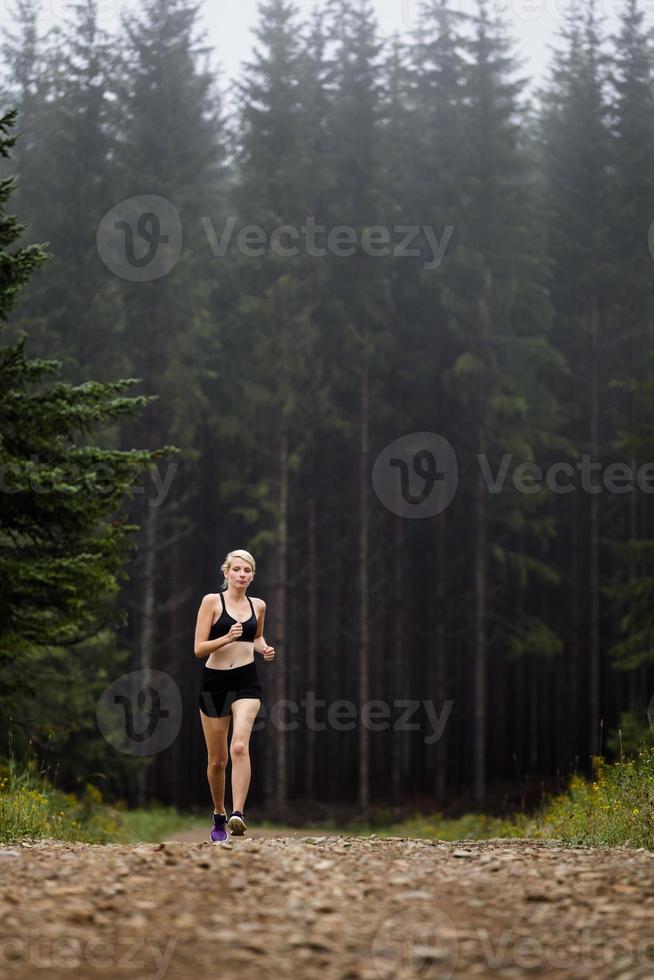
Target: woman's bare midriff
<point x="234" y="654"/>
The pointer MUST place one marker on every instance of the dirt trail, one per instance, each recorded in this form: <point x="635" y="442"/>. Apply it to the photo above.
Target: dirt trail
<point x="199" y="833"/>
<point x="325" y="907"/>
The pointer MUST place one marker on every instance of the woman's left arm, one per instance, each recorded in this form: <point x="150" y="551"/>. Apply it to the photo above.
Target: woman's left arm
<point x="260" y="644"/>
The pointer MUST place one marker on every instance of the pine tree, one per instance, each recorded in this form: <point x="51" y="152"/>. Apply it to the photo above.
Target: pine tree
<point x="24" y="86"/>
<point x="423" y="151"/>
<point x="273" y="319"/>
<point x="361" y="337"/>
<point x="171" y="147"/>
<point x="68" y="184"/>
<point x="632" y="340"/>
<point x="577" y="161"/>
<point x="63" y="538"/>
<point x="497" y="279"/>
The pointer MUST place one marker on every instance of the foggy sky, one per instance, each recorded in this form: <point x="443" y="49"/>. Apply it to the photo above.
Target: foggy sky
<point x="533" y="23"/>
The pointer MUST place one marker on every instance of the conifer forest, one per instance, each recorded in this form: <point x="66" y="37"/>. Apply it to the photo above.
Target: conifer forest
<point x="379" y="311"/>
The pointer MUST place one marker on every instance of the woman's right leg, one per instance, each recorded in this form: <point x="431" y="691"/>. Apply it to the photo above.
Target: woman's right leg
<point x="215" y="734"/>
<point x="245" y="712"/>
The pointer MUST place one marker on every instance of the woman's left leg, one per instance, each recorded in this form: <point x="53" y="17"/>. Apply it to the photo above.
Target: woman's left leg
<point x="244" y="713"/>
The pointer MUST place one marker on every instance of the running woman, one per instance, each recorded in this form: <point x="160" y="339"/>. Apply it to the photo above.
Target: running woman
<point x="230" y="685"/>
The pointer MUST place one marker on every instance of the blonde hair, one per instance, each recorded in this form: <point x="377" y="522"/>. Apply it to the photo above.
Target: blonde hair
<point x="231" y="555"/>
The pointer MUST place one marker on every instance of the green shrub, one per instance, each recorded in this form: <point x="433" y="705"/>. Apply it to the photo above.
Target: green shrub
<point x="31" y="807"/>
<point x="616" y="807"/>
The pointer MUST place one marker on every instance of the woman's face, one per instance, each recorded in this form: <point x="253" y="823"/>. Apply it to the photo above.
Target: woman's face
<point x="239" y="573"/>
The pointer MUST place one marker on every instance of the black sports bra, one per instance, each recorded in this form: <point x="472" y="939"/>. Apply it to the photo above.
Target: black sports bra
<point x="222" y="625"/>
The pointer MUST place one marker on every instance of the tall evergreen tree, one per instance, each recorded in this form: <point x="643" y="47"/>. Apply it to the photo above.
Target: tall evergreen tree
<point x="23" y="85"/>
<point x="577" y="151"/>
<point x="632" y="338"/>
<point x="360" y="285"/>
<point x="170" y="148"/>
<point x="75" y="119"/>
<point x="424" y="153"/>
<point x="279" y="119"/>
<point x="497" y="296"/>
<point x="63" y="541"/>
<point x="315" y="181"/>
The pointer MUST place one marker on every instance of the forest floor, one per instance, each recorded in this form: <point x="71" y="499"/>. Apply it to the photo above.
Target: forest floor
<point x="278" y="903"/>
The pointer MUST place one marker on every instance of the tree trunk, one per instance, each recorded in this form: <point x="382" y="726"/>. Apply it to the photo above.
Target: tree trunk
<point x="593" y="509"/>
<point x="533" y="713"/>
<point x="364" y="664"/>
<point x="146" y="639"/>
<point x="575" y="614"/>
<point x="178" y="670"/>
<point x="281" y="766"/>
<point x="312" y="642"/>
<point x="397" y="660"/>
<point x="479" y="655"/>
<point x="439" y="690"/>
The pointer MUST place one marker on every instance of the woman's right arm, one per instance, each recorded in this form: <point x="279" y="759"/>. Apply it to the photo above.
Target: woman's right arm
<point x="203" y="646"/>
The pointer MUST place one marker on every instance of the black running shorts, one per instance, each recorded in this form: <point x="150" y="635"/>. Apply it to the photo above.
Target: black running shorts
<point x="220" y="688"/>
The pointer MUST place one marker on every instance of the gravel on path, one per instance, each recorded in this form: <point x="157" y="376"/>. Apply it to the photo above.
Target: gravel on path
<point x="325" y="906"/>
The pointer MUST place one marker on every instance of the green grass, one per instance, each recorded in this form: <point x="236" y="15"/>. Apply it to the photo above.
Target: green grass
<point x="470" y="826"/>
<point x="155" y="823"/>
<point x="31" y="807"/>
<point x="615" y="807"/>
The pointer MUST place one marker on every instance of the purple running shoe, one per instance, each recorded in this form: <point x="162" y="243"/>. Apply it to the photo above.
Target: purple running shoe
<point x="236" y="824"/>
<point x="218" y="833"/>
